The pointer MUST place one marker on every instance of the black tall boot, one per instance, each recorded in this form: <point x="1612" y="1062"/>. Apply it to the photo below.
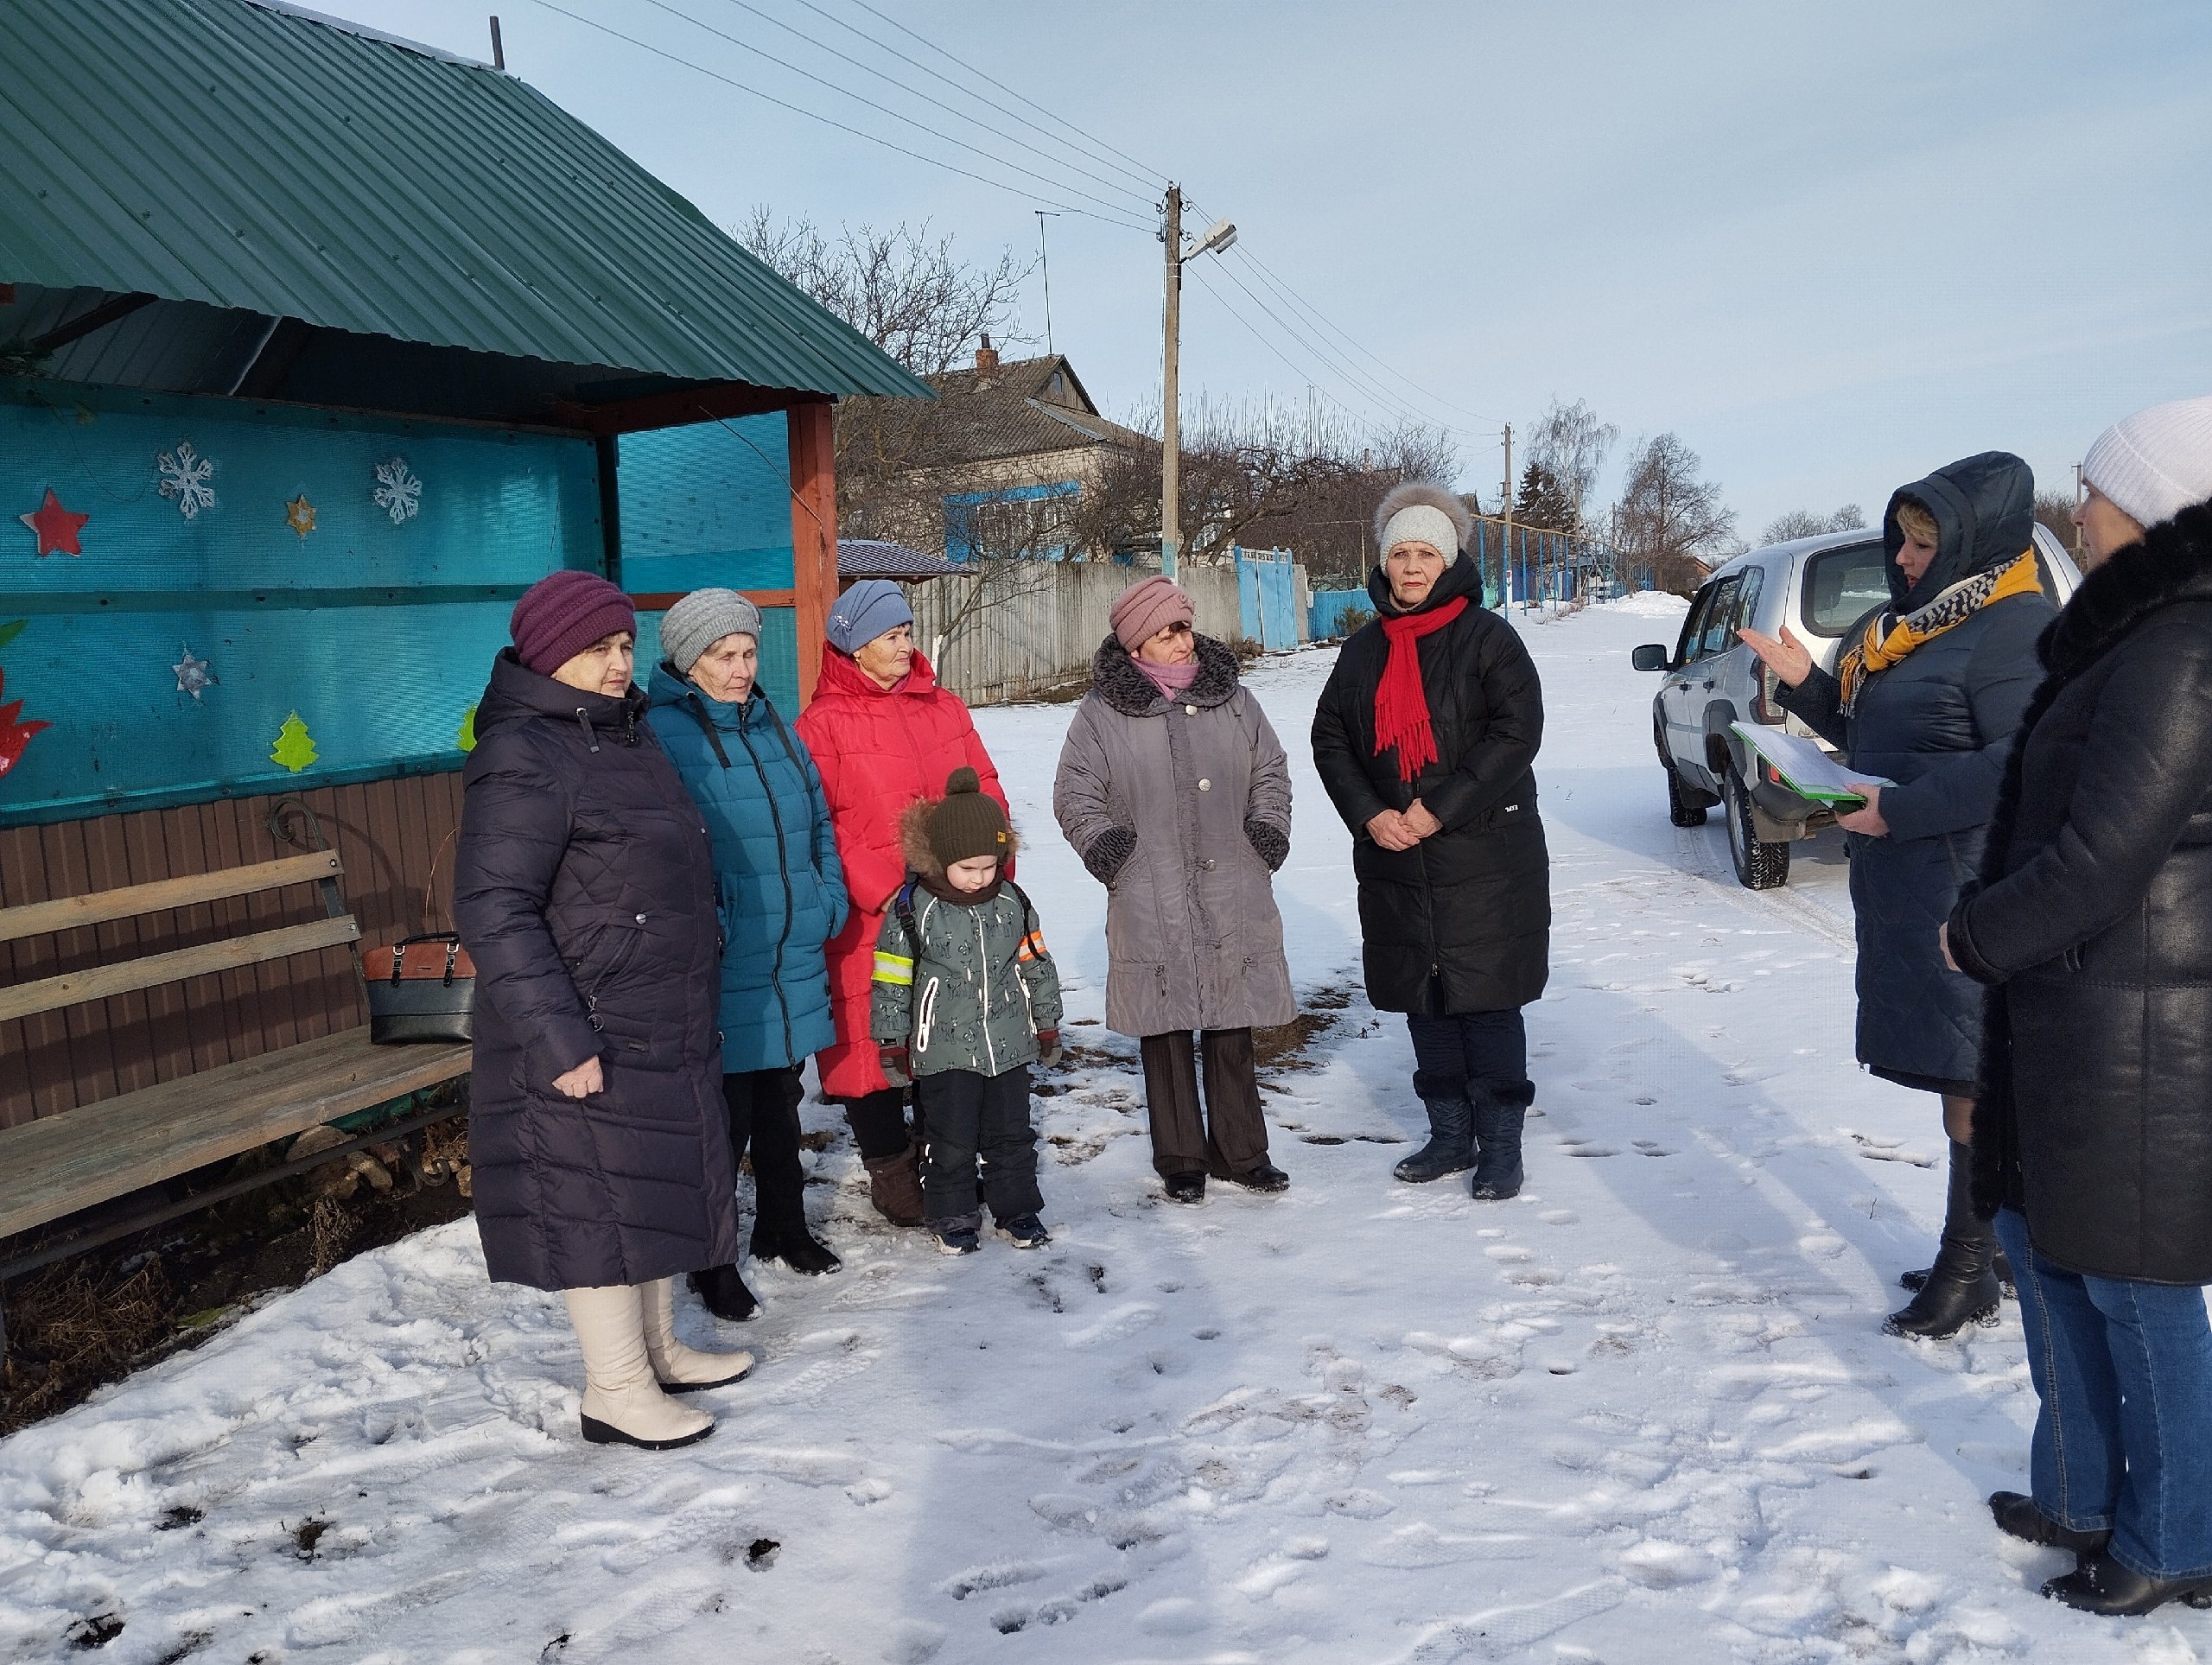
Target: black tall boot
<point x="1961" y="1286"/>
<point x="1451" y="1147"/>
<point x="1499" y="1108"/>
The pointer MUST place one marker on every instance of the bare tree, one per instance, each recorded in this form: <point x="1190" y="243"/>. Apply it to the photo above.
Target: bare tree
<point x="1669" y="520"/>
<point x="1569" y="445"/>
<point x="903" y="288"/>
<point x="1805" y="523"/>
<point x="2055" y="510"/>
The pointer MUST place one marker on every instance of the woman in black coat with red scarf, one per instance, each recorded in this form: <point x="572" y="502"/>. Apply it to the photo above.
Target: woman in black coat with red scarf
<point x="1424" y="737"/>
<point x="584" y="890"/>
<point x="2091" y="927"/>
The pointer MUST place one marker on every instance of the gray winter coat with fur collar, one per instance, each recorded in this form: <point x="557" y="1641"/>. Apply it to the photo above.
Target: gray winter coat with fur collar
<point x="1181" y="809"/>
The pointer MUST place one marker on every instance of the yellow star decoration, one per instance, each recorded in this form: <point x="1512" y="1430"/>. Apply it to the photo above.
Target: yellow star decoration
<point x="299" y="515"/>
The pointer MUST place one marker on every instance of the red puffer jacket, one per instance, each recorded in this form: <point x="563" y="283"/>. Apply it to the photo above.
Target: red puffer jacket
<point x="879" y="749"/>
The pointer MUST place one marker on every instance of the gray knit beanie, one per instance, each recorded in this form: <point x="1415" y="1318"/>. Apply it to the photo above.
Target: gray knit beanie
<point x="2156" y="463"/>
<point x="865" y="612"/>
<point x="702" y="619"/>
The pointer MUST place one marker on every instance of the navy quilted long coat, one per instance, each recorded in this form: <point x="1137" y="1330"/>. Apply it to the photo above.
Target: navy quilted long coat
<point x="1940" y="722"/>
<point x="776" y="859"/>
<point x="584" y="889"/>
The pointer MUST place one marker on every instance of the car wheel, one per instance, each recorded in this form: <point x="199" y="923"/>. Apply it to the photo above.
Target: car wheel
<point x="1758" y="866"/>
<point x="1680" y="809"/>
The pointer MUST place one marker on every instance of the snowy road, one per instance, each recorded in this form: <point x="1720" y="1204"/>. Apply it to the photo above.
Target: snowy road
<point x="1642" y="1412"/>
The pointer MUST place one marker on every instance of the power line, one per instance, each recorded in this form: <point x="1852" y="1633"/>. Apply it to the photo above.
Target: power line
<point x="828" y="121"/>
<point x="1096" y="152"/>
<point x="1144" y="197"/>
<point x="883" y="110"/>
<point x="1143" y="170"/>
<point x="1304" y="372"/>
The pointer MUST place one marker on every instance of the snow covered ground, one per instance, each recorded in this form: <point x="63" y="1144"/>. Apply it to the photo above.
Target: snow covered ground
<point x="1642" y="1412"/>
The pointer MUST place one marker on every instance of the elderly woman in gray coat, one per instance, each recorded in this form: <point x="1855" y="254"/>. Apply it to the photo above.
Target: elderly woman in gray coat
<point x="1175" y="791"/>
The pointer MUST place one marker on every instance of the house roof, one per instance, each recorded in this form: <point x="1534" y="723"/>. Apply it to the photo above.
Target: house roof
<point x="243" y="154"/>
<point x="879" y="557"/>
<point x="1018" y="409"/>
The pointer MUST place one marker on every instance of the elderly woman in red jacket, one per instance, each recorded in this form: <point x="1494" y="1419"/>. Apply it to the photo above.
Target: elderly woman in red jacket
<point x="883" y="733"/>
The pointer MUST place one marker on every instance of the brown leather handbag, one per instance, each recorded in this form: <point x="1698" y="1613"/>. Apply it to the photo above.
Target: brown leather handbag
<point x="422" y="989"/>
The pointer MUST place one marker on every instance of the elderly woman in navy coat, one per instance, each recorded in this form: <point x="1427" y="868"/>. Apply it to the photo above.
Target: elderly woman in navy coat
<point x="584" y="889"/>
<point x="783" y="898"/>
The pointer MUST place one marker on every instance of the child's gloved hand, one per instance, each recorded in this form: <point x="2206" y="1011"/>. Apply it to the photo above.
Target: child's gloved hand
<point x="895" y="1062"/>
<point x="1048" y="1046"/>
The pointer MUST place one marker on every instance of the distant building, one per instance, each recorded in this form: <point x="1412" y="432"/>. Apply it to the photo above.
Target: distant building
<point x="998" y="466"/>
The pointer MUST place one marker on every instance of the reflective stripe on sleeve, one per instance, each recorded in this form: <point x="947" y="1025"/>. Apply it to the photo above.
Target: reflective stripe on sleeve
<point x="893" y="968"/>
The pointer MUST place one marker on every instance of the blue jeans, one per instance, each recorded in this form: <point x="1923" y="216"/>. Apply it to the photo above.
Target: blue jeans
<point x="2123" y="1441"/>
<point x="1453" y="1054"/>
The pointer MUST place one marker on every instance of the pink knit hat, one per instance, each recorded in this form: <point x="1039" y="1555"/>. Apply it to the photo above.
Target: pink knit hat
<point x="559" y="617"/>
<point x="1148" y="608"/>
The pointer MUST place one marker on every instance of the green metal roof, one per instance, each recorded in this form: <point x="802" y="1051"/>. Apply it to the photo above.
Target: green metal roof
<point x="259" y="157"/>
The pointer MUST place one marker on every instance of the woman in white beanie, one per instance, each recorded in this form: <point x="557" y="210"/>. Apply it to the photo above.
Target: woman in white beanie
<point x="2092" y="926"/>
<point x="782" y="898"/>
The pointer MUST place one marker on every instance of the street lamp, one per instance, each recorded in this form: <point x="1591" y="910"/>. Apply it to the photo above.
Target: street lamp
<point x="1217" y="236"/>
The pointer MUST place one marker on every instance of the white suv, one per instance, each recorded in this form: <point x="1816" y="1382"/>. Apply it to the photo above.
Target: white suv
<point x="1821" y="587"/>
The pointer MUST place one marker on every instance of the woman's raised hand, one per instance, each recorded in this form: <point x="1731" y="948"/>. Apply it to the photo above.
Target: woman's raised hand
<point x="583" y="1081"/>
<point x="1788" y="658"/>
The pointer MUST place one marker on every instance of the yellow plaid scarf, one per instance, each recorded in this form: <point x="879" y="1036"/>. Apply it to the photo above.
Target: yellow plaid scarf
<point x="1889" y="639"/>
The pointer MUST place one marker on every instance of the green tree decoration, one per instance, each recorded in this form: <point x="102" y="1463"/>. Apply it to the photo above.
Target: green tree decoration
<point x="467" y="735"/>
<point x="294" y="748"/>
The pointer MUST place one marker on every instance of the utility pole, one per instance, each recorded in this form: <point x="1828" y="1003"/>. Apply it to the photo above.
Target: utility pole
<point x="1044" y="265"/>
<point x="2080" y="494"/>
<point x="1505" y="566"/>
<point x="1218" y="236"/>
<point x="498" y="47"/>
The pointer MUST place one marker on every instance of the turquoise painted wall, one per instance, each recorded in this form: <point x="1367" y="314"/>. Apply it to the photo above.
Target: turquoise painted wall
<point x="709" y="505"/>
<point x="378" y="633"/>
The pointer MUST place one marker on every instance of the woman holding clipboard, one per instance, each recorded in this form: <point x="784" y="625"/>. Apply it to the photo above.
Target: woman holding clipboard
<point x="1927" y="694"/>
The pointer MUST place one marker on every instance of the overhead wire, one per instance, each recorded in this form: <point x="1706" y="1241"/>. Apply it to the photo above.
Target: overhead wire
<point x="1144" y="171"/>
<point x="884" y="110"/>
<point x="1089" y="150"/>
<point x="829" y="121"/>
<point x="1144" y="197"/>
<point x="1304" y="372"/>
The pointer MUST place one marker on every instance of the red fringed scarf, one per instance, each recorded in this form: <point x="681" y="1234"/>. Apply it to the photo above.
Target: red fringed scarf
<point x="1401" y="704"/>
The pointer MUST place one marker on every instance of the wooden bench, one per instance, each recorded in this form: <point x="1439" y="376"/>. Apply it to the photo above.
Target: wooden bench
<point x="77" y="1159"/>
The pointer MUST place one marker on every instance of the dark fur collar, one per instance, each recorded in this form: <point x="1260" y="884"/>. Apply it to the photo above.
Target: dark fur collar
<point x="1115" y="678"/>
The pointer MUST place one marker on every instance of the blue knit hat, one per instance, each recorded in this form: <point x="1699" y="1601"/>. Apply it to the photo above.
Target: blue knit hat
<point x="865" y="612"/>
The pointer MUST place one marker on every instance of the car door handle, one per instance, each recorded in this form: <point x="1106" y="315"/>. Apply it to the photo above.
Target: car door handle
<point x="1708" y="682"/>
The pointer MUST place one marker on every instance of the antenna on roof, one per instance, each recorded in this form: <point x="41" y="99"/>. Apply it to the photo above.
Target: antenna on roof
<point x="498" y="51"/>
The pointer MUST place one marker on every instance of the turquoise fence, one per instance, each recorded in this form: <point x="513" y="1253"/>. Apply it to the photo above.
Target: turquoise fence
<point x="1331" y="612"/>
<point x="1266" y="592"/>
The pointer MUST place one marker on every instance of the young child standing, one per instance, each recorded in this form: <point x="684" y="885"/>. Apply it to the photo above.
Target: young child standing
<point x="965" y="1000"/>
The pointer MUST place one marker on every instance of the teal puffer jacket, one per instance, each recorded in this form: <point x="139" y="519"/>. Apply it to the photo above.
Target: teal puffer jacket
<point x="782" y="892"/>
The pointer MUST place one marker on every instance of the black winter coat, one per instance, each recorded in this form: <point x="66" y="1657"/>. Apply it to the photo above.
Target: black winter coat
<point x="2094" y="925"/>
<point x="1939" y="723"/>
<point x="584" y="889"/>
<point x="1462" y="921"/>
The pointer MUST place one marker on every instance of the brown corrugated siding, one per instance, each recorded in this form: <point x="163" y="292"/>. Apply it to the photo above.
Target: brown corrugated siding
<point x="387" y="833"/>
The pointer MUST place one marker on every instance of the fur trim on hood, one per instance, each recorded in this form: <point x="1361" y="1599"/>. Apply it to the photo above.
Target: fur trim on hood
<point x="914" y="841"/>
<point x="1427" y="494"/>
<point x="1117" y="679"/>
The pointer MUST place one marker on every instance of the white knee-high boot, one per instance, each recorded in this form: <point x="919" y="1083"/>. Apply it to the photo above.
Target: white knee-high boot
<point x="623" y="1404"/>
<point x="683" y="1369"/>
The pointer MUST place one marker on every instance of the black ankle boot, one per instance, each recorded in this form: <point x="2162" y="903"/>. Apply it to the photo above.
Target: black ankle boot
<point x="2101" y="1585"/>
<point x="800" y="1250"/>
<point x="2016" y="1514"/>
<point x="1914" y="1282"/>
<point x="1451" y="1147"/>
<point x="1499" y="1111"/>
<point x="725" y="1294"/>
<point x="1961" y="1286"/>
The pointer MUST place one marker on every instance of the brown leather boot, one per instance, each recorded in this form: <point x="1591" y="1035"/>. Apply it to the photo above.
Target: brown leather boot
<point x="895" y="1186"/>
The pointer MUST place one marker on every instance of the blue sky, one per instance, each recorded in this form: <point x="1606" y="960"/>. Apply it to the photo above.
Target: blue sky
<point x="1832" y="246"/>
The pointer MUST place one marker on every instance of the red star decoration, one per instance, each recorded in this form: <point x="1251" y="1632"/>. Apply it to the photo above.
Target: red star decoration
<point x="56" y="528"/>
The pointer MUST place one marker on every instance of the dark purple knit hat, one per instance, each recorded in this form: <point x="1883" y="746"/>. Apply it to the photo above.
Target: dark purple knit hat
<point x="561" y="616"/>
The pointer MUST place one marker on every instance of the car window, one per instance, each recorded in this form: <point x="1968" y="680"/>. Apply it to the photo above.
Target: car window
<point x="1842" y="586"/>
<point x="1747" y="601"/>
<point x="1720" y="618"/>
<point x="1694" y="624"/>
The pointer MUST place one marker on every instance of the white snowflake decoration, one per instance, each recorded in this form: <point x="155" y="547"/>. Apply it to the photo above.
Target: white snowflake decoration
<point x="195" y="676"/>
<point x="184" y="476"/>
<point x="399" y="491"/>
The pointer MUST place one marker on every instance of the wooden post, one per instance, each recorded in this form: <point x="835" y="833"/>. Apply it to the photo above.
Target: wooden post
<point x="814" y="532"/>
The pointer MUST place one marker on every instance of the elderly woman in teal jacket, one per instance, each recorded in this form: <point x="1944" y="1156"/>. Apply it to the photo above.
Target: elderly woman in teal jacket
<point x="783" y="897"/>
